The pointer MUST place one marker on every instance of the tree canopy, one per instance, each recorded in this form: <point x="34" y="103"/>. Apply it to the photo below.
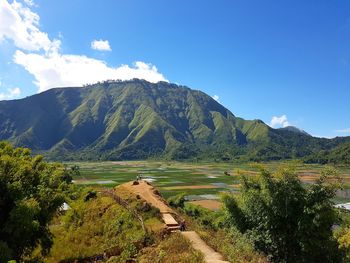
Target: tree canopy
<point x="288" y="221"/>
<point x="31" y="191"/>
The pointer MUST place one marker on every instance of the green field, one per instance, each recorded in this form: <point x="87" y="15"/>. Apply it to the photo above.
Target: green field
<point x="172" y="178"/>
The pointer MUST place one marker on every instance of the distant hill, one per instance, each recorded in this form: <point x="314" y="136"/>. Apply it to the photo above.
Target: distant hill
<point x="295" y="129"/>
<point x="337" y="155"/>
<point x="138" y="120"/>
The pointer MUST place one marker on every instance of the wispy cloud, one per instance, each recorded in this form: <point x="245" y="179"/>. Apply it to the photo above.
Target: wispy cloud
<point x="10" y="93"/>
<point x="281" y="121"/>
<point x="101" y="45"/>
<point x="216" y="97"/>
<point x="42" y="56"/>
<point x="323" y="136"/>
<point x="29" y="2"/>
<point x="347" y="130"/>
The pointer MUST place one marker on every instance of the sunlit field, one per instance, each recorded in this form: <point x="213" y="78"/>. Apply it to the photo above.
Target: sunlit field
<point x="199" y="181"/>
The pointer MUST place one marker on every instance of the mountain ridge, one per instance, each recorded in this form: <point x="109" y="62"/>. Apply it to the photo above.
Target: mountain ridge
<point x="136" y="119"/>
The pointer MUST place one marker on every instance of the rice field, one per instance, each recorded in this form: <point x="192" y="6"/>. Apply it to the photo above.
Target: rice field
<point x="199" y="181"/>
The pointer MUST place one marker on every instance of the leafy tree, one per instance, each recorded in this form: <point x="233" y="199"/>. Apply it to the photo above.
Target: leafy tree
<point x="177" y="200"/>
<point x="31" y="191"/>
<point x="74" y="170"/>
<point x="286" y="220"/>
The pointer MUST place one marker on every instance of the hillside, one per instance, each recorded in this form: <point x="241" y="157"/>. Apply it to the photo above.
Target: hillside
<point x="337" y="155"/>
<point x="137" y="120"/>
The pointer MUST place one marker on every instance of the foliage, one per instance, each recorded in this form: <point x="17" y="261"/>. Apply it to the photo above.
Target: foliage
<point x="342" y="233"/>
<point x="337" y="155"/>
<point x="94" y="226"/>
<point x="90" y="195"/>
<point x="172" y="249"/>
<point x="231" y="243"/>
<point x="74" y="170"/>
<point x="177" y="201"/>
<point x="286" y="220"/>
<point x="31" y="191"/>
<point x="212" y="228"/>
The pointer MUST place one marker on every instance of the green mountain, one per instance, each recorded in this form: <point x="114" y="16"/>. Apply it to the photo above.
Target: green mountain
<point x="136" y="120"/>
<point x="337" y="155"/>
<point x="294" y="129"/>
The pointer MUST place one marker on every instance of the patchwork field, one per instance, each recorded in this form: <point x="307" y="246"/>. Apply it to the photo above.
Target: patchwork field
<point x="199" y="181"/>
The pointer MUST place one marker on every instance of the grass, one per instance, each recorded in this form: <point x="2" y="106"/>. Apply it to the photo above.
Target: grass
<point x="229" y="242"/>
<point x="77" y="236"/>
<point x="173" y="249"/>
<point x="99" y="226"/>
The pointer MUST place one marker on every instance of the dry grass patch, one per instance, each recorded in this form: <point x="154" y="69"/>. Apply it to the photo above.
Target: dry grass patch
<point x="175" y="248"/>
<point x="209" y="186"/>
<point x="209" y="204"/>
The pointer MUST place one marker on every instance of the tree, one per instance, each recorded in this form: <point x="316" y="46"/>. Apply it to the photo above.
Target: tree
<point x="31" y="191"/>
<point x="288" y="221"/>
<point x="74" y="170"/>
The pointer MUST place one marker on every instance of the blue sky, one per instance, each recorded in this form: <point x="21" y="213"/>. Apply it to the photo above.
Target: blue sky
<point x="286" y="61"/>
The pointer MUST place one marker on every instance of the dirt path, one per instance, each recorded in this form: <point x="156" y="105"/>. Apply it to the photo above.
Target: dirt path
<point x="147" y="192"/>
<point x="210" y="256"/>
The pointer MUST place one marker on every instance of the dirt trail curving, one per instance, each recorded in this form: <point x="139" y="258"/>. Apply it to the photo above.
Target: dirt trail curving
<point x="148" y="193"/>
<point x="210" y="255"/>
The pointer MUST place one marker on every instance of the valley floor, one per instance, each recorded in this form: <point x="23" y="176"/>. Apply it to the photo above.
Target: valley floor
<point x="200" y="182"/>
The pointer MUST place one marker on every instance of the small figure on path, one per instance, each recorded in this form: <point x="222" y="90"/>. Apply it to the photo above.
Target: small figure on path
<point x="183" y="225"/>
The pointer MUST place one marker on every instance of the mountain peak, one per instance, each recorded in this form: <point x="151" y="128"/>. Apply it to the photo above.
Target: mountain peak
<point x="136" y="119"/>
<point x="294" y="129"/>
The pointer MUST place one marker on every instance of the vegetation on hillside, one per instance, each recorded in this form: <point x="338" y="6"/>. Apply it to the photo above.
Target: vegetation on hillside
<point x="286" y="220"/>
<point x="31" y="191"/>
<point x="95" y="226"/>
<point x="337" y="155"/>
<point x="274" y="218"/>
<point x="34" y="227"/>
<point x="213" y="229"/>
<point x="100" y="228"/>
<point x="140" y="120"/>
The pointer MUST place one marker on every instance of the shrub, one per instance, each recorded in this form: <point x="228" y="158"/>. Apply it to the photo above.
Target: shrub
<point x="177" y="200"/>
<point x="31" y="192"/>
<point x="285" y="220"/>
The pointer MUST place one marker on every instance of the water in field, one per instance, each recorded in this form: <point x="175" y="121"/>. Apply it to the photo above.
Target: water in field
<point x="198" y="180"/>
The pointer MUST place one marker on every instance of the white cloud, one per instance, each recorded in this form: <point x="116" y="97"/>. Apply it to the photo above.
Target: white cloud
<point x="29" y="2"/>
<point x="19" y="24"/>
<point x="347" y="130"/>
<point x="10" y="94"/>
<point x="101" y="45"/>
<point x="42" y="57"/>
<point x="216" y="97"/>
<point x="323" y="136"/>
<point x="62" y="70"/>
<point x="281" y="121"/>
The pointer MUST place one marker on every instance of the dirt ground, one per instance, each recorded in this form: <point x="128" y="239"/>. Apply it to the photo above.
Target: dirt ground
<point x="209" y="204"/>
<point x="147" y="192"/>
<point x="190" y="187"/>
<point x="210" y="255"/>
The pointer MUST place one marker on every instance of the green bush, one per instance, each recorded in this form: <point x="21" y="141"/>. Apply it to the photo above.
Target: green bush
<point x="31" y="192"/>
<point x="177" y="201"/>
<point x="286" y="220"/>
